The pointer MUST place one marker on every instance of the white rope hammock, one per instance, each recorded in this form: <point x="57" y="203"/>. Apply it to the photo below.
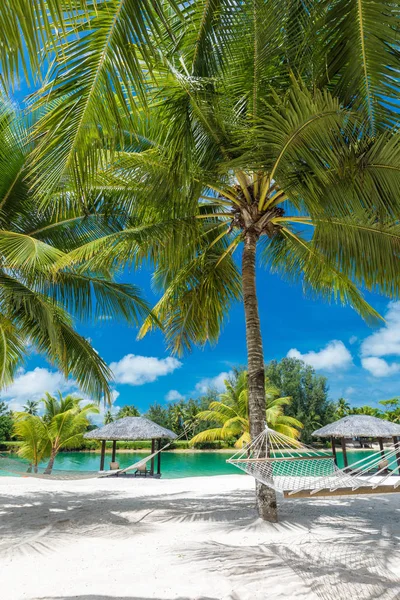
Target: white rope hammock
<point x="294" y="469"/>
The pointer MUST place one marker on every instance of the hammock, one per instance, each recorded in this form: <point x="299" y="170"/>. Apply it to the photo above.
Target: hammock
<point x="294" y="469"/>
<point x="15" y="466"/>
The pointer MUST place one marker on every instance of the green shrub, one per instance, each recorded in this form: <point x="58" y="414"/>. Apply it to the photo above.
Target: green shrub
<point x="9" y="446"/>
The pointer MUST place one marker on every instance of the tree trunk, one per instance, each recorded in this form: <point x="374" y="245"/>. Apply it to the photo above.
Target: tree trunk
<point x="50" y="464"/>
<point x="265" y="496"/>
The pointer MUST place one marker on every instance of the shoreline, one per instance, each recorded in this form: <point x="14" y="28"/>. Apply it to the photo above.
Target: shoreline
<point x="187" y="450"/>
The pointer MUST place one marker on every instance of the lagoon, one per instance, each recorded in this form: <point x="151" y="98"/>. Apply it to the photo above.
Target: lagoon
<point x="174" y="465"/>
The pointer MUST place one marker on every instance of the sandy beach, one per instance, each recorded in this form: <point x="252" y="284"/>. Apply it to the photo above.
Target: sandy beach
<point x="191" y="539"/>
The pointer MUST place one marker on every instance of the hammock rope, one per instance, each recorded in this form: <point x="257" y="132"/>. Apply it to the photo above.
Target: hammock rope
<point x="293" y="468"/>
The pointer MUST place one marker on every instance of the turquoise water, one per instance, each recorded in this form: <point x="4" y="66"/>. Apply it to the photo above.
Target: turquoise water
<point x="173" y="464"/>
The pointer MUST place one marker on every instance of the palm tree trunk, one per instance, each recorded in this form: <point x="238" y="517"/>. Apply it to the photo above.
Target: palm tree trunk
<point x="50" y="464"/>
<point x="265" y="496"/>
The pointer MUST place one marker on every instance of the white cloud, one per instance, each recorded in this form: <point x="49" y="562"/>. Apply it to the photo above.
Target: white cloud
<point x="137" y="370"/>
<point x="353" y="339"/>
<point x="349" y="391"/>
<point x="174" y="395"/>
<point x="215" y="383"/>
<point x="385" y="341"/>
<point x="334" y="356"/>
<point x="32" y="385"/>
<point x="378" y="367"/>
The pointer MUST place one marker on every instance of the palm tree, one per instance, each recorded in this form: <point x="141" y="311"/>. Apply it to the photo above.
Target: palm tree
<point x="342" y="408"/>
<point x="35" y="446"/>
<point x="38" y="304"/>
<point x="65" y="423"/>
<point x="232" y="413"/>
<point x="392" y="409"/>
<point x="31" y="407"/>
<point x="225" y="150"/>
<point x="108" y="417"/>
<point x="366" y="410"/>
<point x="127" y="411"/>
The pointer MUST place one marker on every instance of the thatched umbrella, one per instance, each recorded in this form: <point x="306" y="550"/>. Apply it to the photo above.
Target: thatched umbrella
<point x="131" y="429"/>
<point x="359" y="426"/>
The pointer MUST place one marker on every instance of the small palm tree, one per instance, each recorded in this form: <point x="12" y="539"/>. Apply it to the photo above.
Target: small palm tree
<point x="35" y="447"/>
<point x="108" y="417"/>
<point x="65" y="421"/>
<point x="31" y="407"/>
<point x="232" y="413"/>
<point x="342" y="408"/>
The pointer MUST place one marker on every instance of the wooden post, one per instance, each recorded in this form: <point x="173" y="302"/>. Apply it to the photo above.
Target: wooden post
<point x="102" y="455"/>
<point x="153" y="448"/>
<point x="159" y="458"/>
<point x="343" y="441"/>
<point x="334" y="450"/>
<point x="114" y="450"/>
<point x="380" y="440"/>
<point x="397" y="446"/>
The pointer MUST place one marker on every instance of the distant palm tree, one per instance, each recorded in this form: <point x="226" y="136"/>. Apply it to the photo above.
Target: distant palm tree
<point x="232" y="412"/>
<point x="366" y="410"/>
<point x="108" y="417"/>
<point x="127" y="411"/>
<point x="31" y="407"/>
<point x="342" y="408"/>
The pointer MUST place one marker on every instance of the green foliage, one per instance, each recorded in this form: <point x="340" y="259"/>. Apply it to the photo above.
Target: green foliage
<point x="62" y="427"/>
<point x="127" y="411"/>
<point x="159" y="414"/>
<point x="309" y="393"/>
<point x="39" y="299"/>
<point x="231" y="413"/>
<point x="181" y="416"/>
<point x="108" y="417"/>
<point x="36" y="444"/>
<point x="31" y="407"/>
<point x="392" y="409"/>
<point x="342" y="408"/>
<point x="6" y="422"/>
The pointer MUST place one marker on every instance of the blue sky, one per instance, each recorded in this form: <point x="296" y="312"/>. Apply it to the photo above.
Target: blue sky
<point x="361" y="363"/>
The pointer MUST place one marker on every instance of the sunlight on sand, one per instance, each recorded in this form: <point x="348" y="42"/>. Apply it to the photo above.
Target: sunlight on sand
<point x="192" y="539"/>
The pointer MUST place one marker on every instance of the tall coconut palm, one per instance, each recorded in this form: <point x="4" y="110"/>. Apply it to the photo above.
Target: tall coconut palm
<point x="232" y="413"/>
<point x="299" y="190"/>
<point x="225" y="150"/>
<point x="37" y="304"/>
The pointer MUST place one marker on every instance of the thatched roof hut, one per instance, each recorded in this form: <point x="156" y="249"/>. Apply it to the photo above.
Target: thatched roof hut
<point x="359" y="426"/>
<point x="131" y="429"/>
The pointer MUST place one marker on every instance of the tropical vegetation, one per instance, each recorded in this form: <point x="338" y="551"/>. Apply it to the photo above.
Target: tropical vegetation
<point x="127" y="411"/>
<point x="231" y="413"/>
<point x="39" y="303"/>
<point x="264" y="126"/>
<point x="309" y="392"/>
<point x="62" y="426"/>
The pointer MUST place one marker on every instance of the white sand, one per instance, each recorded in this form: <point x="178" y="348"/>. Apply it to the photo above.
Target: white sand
<point x="191" y="539"/>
